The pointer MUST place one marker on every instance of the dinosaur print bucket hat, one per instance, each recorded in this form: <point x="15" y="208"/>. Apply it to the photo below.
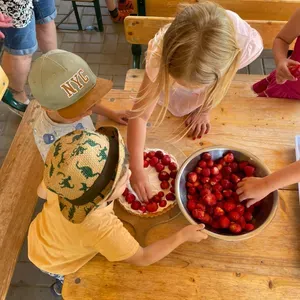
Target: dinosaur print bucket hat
<point x="82" y="168"/>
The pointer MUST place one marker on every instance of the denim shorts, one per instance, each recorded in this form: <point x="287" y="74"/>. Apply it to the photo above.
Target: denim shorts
<point x="22" y="41"/>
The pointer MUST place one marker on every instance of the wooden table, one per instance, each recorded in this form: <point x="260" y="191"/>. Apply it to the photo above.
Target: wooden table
<point x="265" y="267"/>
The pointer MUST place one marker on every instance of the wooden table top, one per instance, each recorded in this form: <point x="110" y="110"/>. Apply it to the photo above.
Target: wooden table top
<point x="264" y="267"/>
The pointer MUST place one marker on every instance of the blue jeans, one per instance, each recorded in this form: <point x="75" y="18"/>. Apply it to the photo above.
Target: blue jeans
<point x="22" y="41"/>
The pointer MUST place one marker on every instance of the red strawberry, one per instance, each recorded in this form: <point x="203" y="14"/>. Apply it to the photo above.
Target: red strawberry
<point x="188" y="184"/>
<point x="146" y="163"/>
<point x="173" y="174"/>
<point x="152" y="207"/>
<point x="172" y="190"/>
<point x="240" y="209"/>
<point x="229" y="206"/>
<point x="201" y="206"/>
<point x="153" y="161"/>
<point x="130" y="198"/>
<point x="191" y="204"/>
<point x="214" y="171"/>
<point x="164" y="176"/>
<point x="136" y="205"/>
<point x="210" y="199"/>
<point x="161" y="194"/>
<point x="248" y="216"/>
<point x="222" y="162"/>
<point x="196" y="184"/>
<point x="198" y="170"/>
<point x="234" y="215"/>
<point x="145" y="155"/>
<point x="207" y="219"/>
<point x="249" y="227"/>
<point x="250" y="209"/>
<point x="218" y="187"/>
<point x="206" y="156"/>
<point x="192" y="177"/>
<point x="227" y="193"/>
<point x="159" y="167"/>
<point x="218" y="211"/>
<point x="226" y="171"/>
<point x="172" y="166"/>
<point x="202" y="164"/>
<point x="162" y="203"/>
<point x="192" y="191"/>
<point x="170" y="197"/>
<point x="125" y="193"/>
<point x="249" y="171"/>
<point x="151" y="154"/>
<point x="210" y="163"/>
<point x="213" y="181"/>
<point x="192" y="197"/>
<point x="205" y="192"/>
<point x="166" y="160"/>
<point x="164" y="185"/>
<point x="242" y="222"/>
<point x="226" y="184"/>
<point x="229" y="157"/>
<point x="219" y="166"/>
<point x="205" y="179"/>
<point x="198" y="213"/>
<point x="234" y="166"/>
<point x="156" y="198"/>
<point x="243" y="164"/>
<point x="218" y="195"/>
<point x="143" y="209"/>
<point x="173" y="182"/>
<point x="235" y="228"/>
<point x="235" y="178"/>
<point x="159" y="154"/>
<point x="224" y="222"/>
<point x="207" y="186"/>
<point x="205" y="172"/>
<point x="235" y="197"/>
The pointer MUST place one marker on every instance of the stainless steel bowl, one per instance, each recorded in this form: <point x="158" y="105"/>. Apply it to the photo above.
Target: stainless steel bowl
<point x="269" y="204"/>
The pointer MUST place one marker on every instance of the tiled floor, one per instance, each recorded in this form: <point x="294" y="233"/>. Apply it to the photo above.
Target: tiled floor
<point x="109" y="56"/>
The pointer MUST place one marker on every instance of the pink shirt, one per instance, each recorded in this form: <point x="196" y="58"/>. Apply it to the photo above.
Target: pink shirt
<point x="183" y="101"/>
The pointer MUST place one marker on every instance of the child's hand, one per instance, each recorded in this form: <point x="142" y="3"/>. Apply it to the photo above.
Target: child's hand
<point x="252" y="189"/>
<point x="201" y="124"/>
<point x="5" y="22"/>
<point x="283" y="73"/>
<point x="193" y="233"/>
<point x="120" y="116"/>
<point x="140" y="183"/>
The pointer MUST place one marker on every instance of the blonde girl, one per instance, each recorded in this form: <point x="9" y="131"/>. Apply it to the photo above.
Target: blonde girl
<point x="190" y="64"/>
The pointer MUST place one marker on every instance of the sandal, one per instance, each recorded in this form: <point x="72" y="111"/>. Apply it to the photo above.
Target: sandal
<point x="122" y="14"/>
<point x="126" y="5"/>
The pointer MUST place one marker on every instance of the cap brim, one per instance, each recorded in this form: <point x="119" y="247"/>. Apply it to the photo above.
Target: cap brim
<point x="94" y="96"/>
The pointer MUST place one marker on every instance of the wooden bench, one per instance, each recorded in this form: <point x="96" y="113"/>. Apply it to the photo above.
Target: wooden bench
<point x="264" y="267"/>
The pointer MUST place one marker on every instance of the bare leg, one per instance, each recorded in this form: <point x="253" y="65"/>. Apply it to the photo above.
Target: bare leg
<point x="110" y="4"/>
<point x="46" y="36"/>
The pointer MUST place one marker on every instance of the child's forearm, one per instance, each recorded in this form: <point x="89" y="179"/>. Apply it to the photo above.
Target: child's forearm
<point x="283" y="177"/>
<point x="280" y="50"/>
<point x="100" y="109"/>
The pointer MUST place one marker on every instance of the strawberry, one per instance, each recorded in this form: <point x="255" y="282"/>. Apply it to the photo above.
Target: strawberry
<point x="191" y="205"/>
<point x="227" y="193"/>
<point x="240" y="209"/>
<point x="206" y="156"/>
<point x="143" y="209"/>
<point x="159" y="154"/>
<point x="188" y="184"/>
<point x="207" y="186"/>
<point x="192" y="177"/>
<point x="218" y="195"/>
<point x="234" y="166"/>
<point x="229" y="206"/>
<point x="192" y="197"/>
<point x="248" y="216"/>
<point x="172" y="190"/>
<point x="210" y="163"/>
<point x="242" y="222"/>
<point x="173" y="174"/>
<point x="210" y="199"/>
<point x="213" y="181"/>
<point x="234" y="215"/>
<point x="152" y="206"/>
<point x="234" y="178"/>
<point x="153" y="161"/>
<point x="243" y="164"/>
<point x="164" y="185"/>
<point x="151" y="154"/>
<point x="219" y="166"/>
<point x="218" y="211"/>
<point x="218" y="187"/>
<point x="222" y="162"/>
<point x="162" y="203"/>
<point x="249" y="227"/>
<point x="159" y="167"/>
<point x="205" y="179"/>
<point x="226" y="171"/>
<point x="136" y="205"/>
<point x="198" y="170"/>
<point x="166" y="160"/>
<point x="224" y="222"/>
<point x="201" y="206"/>
<point x="145" y="155"/>
<point x="235" y="197"/>
<point x="198" y="213"/>
<point x="192" y="191"/>
<point x="249" y="171"/>
<point x="161" y="194"/>
<point x="201" y="164"/>
<point x="229" y="157"/>
<point x="173" y="182"/>
<point x="146" y="163"/>
<point x="172" y="166"/>
<point x="214" y="171"/>
<point x="156" y="199"/>
<point x="130" y="198"/>
<point x="250" y="209"/>
<point x="205" y="172"/>
<point x="164" y="176"/>
<point x="196" y="184"/>
<point x="235" y="228"/>
<point x="125" y="193"/>
<point x="207" y="219"/>
<point x="226" y="184"/>
<point x="204" y="192"/>
<point x="170" y="197"/>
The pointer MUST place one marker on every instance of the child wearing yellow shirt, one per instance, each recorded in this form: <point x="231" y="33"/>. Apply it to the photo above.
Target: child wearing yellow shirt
<point x="84" y="172"/>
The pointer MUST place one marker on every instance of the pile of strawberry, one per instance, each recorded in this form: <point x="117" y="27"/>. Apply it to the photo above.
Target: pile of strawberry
<point x="167" y="171"/>
<point x="212" y="197"/>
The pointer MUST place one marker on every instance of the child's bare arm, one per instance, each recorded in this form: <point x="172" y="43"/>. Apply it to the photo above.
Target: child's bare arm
<point x="158" y="250"/>
<point x="254" y="189"/>
<point x="119" y="116"/>
<point x="42" y="191"/>
<point x="281" y="46"/>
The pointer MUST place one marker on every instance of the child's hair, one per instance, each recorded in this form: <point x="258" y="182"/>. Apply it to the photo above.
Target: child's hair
<point x="199" y="47"/>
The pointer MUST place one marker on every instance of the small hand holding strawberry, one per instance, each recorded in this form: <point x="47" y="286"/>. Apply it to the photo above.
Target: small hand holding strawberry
<point x="140" y="184"/>
<point x="283" y="72"/>
<point x="200" y="124"/>
<point x="252" y="189"/>
<point x="5" y="22"/>
<point x="193" y="233"/>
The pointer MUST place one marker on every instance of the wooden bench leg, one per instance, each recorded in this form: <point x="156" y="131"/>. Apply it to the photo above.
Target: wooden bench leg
<point x="98" y="15"/>
<point x="77" y="15"/>
<point x="136" y="52"/>
<point x="141" y="7"/>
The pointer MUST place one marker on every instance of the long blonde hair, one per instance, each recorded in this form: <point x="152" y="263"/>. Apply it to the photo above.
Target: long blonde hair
<point x="199" y="47"/>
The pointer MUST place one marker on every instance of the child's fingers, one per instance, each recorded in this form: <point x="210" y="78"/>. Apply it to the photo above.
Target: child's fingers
<point x="240" y="190"/>
<point x="250" y="202"/>
<point x="292" y="62"/>
<point x="202" y="131"/>
<point x="207" y="128"/>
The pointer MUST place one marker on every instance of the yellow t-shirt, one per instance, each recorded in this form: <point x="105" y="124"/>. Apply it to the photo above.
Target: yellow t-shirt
<point x="58" y="246"/>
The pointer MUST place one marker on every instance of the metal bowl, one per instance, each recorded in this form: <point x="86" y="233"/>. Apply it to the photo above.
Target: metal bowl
<point x="269" y="204"/>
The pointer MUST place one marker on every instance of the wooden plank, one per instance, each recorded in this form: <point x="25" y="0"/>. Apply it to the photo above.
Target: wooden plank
<point x="20" y="175"/>
<point x="247" y="9"/>
<point x="264" y="267"/>
<point x="140" y="30"/>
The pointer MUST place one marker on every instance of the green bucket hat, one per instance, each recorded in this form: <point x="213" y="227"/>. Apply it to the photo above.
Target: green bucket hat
<point x="82" y="168"/>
